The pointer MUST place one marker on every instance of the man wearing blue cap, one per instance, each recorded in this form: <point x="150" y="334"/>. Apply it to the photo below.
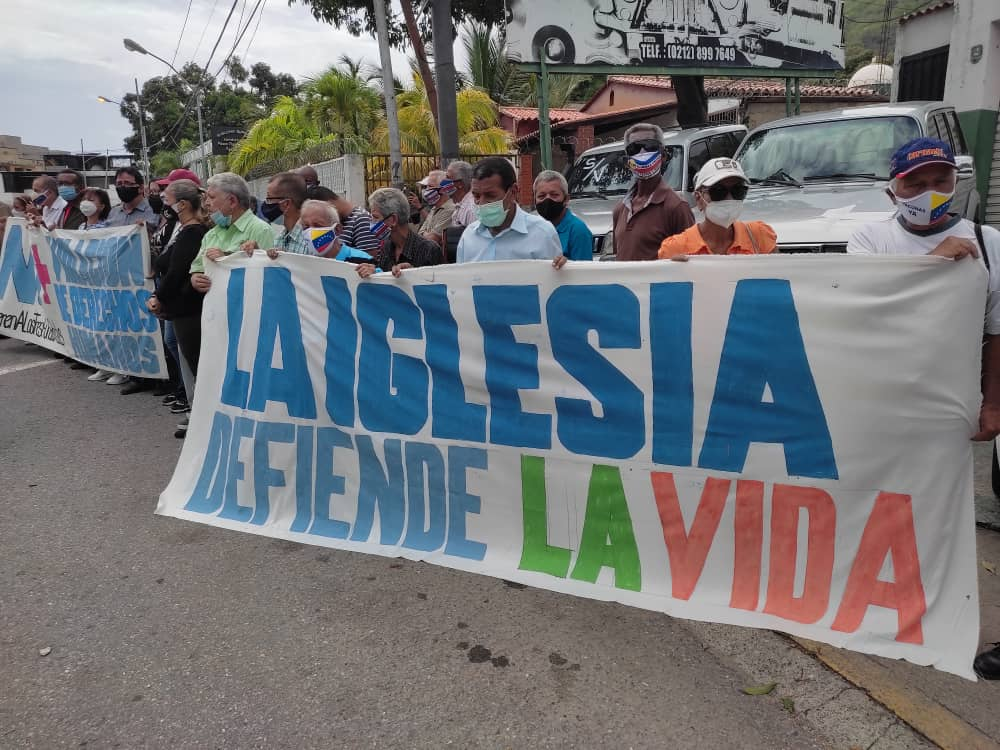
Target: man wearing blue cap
<point x="922" y="185"/>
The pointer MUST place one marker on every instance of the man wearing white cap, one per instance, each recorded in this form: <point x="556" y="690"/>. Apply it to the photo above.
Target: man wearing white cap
<point x="719" y="189"/>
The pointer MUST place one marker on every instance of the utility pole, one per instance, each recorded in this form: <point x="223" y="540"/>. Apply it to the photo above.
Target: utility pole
<point x="142" y="132"/>
<point x="389" y="94"/>
<point x="444" y="69"/>
<point x="83" y="163"/>
<point x="201" y="143"/>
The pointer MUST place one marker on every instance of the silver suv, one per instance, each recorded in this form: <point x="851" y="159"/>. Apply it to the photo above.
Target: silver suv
<point x="816" y="178"/>
<point x="600" y="177"/>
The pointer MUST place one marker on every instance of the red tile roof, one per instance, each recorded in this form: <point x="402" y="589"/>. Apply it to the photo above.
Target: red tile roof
<point x="585" y="118"/>
<point x="929" y="9"/>
<point x="659" y="82"/>
<point x="752" y="87"/>
<point x="531" y="113"/>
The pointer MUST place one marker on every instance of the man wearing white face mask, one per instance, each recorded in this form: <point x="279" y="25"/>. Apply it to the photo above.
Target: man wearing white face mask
<point x="651" y="210"/>
<point x="719" y="189"/>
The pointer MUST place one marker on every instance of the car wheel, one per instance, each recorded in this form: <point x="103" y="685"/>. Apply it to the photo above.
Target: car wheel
<point x="996" y="472"/>
<point x="563" y="52"/>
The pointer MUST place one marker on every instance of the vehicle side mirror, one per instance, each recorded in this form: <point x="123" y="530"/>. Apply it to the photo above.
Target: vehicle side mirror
<point x="966" y="165"/>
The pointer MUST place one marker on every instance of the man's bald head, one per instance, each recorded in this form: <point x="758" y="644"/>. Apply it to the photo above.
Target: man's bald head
<point x="309" y="175"/>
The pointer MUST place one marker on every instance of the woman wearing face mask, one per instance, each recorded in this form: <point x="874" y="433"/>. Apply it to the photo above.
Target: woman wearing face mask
<point x="552" y="203"/>
<point x="719" y="188"/>
<point x="20" y="204"/>
<point x="95" y="206"/>
<point x="402" y="248"/>
<point x="175" y="299"/>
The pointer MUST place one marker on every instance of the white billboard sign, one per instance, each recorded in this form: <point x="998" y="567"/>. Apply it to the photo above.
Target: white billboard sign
<point x="783" y="35"/>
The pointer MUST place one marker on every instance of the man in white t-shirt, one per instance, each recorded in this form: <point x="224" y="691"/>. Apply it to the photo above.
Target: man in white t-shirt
<point x="923" y="175"/>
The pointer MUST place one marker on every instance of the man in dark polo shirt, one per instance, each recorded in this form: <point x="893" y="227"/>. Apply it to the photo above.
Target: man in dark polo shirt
<point x="650" y="211"/>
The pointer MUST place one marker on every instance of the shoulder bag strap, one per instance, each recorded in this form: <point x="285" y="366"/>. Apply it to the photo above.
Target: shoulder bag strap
<point x="982" y="244"/>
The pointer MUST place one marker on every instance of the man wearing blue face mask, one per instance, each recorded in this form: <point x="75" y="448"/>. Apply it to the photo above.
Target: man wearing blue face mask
<point x="650" y="211"/>
<point x="70" y="186"/>
<point x="503" y="230"/>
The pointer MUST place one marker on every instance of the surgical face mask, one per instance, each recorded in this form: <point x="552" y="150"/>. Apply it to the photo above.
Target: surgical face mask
<point x="220" y="219"/>
<point x="380" y="229"/>
<point x="723" y="213"/>
<point x="549" y="209"/>
<point x="127" y="193"/>
<point x="67" y="192"/>
<point x="646" y="164"/>
<point x="491" y="214"/>
<point x="88" y="208"/>
<point x="926" y="208"/>
<point x="430" y="195"/>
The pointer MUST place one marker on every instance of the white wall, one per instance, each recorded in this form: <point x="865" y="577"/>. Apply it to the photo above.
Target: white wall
<point x="972" y="86"/>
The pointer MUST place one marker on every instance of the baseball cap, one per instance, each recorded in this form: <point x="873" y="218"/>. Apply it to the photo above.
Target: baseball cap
<point x="919" y="153"/>
<point x="179" y="174"/>
<point x="716" y="170"/>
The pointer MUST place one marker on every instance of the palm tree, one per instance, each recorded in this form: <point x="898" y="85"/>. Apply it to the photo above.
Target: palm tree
<point x="478" y="124"/>
<point x="286" y="130"/>
<point x="340" y="102"/>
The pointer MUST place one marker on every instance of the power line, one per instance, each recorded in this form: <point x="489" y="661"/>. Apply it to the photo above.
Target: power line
<point x="225" y="24"/>
<point x="239" y="38"/>
<point x="254" y="35"/>
<point x="181" y="37"/>
<point x="207" y="24"/>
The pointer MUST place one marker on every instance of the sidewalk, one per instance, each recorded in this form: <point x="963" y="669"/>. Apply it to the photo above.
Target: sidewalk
<point x="954" y="713"/>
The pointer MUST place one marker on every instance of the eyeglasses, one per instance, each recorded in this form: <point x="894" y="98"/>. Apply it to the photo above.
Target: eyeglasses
<point x="648" y="145"/>
<point x="70" y="183"/>
<point x="275" y="198"/>
<point x="721" y="192"/>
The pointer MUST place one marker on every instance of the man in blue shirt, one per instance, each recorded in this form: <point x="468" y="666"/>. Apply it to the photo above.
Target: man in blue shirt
<point x="503" y="230"/>
<point x="551" y="201"/>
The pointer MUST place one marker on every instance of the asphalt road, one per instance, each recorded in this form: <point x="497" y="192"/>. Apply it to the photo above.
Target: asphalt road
<point x="168" y="634"/>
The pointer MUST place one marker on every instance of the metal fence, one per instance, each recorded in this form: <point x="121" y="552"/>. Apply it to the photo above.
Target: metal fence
<point x="378" y="168"/>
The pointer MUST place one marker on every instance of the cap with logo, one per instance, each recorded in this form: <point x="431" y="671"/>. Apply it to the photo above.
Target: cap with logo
<point x="919" y="153"/>
<point x="179" y="174"/>
<point x="716" y="170"/>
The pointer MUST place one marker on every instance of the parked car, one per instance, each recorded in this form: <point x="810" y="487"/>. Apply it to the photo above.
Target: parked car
<point x="600" y="177"/>
<point x="816" y="178"/>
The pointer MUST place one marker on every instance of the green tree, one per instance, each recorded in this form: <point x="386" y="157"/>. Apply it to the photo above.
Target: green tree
<point x="339" y="102"/>
<point x="286" y="130"/>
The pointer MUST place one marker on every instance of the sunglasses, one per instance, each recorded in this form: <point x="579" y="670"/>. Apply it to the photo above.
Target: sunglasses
<point x="721" y="192"/>
<point x="636" y="146"/>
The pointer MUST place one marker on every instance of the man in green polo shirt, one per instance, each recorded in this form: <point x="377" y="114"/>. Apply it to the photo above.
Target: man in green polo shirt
<point x="229" y="202"/>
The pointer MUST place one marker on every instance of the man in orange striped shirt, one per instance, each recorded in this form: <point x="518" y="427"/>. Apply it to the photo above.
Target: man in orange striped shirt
<point x="719" y="189"/>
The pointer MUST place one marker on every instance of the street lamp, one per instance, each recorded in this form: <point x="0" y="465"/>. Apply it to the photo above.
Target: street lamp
<point x="133" y="46"/>
<point x="142" y="125"/>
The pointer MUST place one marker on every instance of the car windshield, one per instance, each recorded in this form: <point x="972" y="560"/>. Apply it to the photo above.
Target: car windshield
<point x="608" y="173"/>
<point x="833" y="150"/>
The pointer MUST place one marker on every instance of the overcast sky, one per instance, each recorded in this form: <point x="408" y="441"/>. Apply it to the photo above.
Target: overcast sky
<point x="57" y="58"/>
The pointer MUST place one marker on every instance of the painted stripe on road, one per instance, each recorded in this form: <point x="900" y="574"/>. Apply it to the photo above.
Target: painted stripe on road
<point x="28" y="365"/>
<point x="924" y="714"/>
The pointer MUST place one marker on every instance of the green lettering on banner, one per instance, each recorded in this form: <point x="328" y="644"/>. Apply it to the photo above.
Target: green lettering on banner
<point x="536" y="553"/>
<point x="608" y="520"/>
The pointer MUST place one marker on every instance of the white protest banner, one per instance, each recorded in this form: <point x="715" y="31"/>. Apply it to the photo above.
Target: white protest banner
<point x="82" y="294"/>
<point x="778" y="442"/>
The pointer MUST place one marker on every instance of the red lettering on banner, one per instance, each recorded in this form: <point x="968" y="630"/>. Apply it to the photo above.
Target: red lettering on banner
<point x="889" y="531"/>
<point x="748" y="541"/>
<point x="688" y="551"/>
<point x="821" y="529"/>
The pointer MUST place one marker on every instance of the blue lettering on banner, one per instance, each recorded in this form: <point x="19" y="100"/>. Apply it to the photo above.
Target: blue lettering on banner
<point x="236" y="472"/>
<point x="208" y="491"/>
<point x="461" y="503"/>
<point x="329" y="483"/>
<point x="265" y="476"/>
<point x="574" y="311"/>
<point x="341" y="349"/>
<point x="510" y="365"/>
<point x="279" y="319"/>
<point x="763" y="347"/>
<point x="303" y="479"/>
<point x="380" y="486"/>
<point x="14" y="266"/>
<point x="395" y="385"/>
<point x="673" y="378"/>
<point x="103" y="262"/>
<point x="236" y="384"/>
<point x="452" y="417"/>
<point x="425" y="531"/>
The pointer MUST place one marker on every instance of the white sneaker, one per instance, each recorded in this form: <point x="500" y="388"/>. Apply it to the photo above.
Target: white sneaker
<point x="99" y="375"/>
<point x="117" y="379"/>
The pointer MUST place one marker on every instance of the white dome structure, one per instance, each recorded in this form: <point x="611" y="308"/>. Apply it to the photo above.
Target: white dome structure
<point x="873" y="75"/>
